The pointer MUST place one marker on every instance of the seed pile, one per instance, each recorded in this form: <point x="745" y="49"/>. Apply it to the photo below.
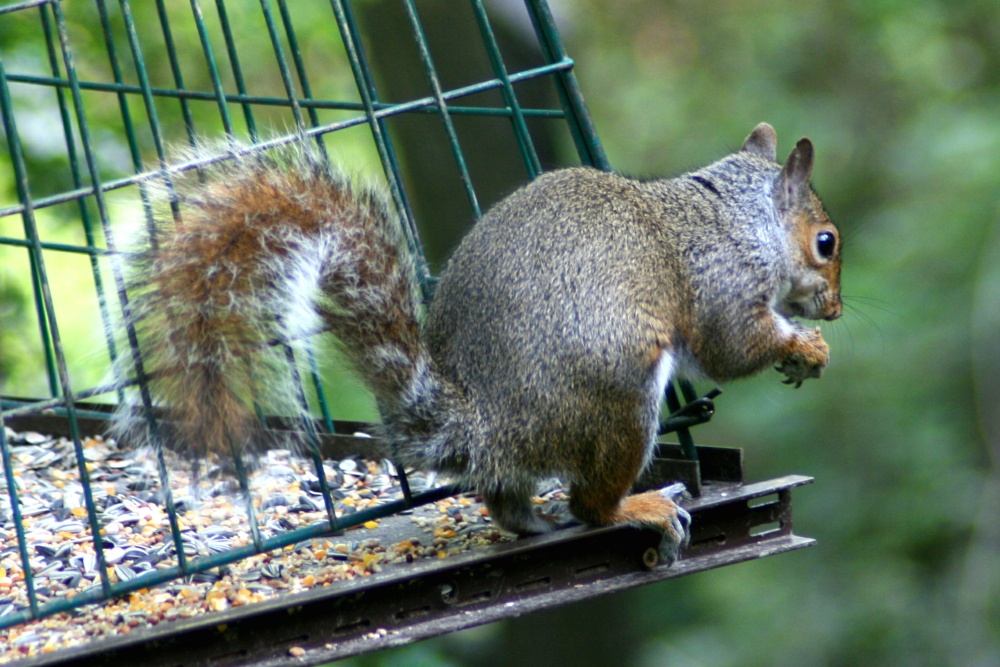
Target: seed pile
<point x="284" y="493"/>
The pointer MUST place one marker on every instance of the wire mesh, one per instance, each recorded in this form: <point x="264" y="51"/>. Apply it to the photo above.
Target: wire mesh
<point x="93" y="95"/>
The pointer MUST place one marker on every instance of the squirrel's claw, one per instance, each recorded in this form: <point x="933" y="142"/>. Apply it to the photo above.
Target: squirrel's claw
<point x="671" y="545"/>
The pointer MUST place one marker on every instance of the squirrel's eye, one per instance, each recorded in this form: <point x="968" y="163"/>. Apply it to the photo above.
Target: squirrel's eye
<point x="826" y="244"/>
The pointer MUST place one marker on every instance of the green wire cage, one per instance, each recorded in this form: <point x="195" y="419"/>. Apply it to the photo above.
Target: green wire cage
<point x="454" y="103"/>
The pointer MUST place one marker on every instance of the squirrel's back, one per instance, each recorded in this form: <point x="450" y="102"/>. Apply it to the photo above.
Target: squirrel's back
<point x="547" y="279"/>
<point x="584" y="266"/>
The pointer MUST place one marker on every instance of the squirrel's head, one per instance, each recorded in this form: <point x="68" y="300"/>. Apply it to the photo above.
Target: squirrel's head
<point x="813" y="238"/>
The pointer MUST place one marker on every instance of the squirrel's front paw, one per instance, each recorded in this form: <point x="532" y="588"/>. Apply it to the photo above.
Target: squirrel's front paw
<point x="807" y="359"/>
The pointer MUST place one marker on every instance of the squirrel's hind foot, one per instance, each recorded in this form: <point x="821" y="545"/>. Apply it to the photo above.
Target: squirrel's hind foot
<point x="513" y="511"/>
<point x="653" y="509"/>
<point x="660" y="510"/>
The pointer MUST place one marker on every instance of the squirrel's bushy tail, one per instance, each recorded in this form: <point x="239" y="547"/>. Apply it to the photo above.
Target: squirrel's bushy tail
<point x="271" y="249"/>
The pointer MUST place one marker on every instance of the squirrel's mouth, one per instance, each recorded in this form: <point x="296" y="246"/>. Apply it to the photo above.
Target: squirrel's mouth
<point x="795" y="309"/>
<point x="821" y="306"/>
<point x="810" y="309"/>
<point x="792" y="309"/>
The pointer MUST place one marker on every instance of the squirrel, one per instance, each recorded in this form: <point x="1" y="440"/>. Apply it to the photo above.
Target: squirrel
<point x="554" y="330"/>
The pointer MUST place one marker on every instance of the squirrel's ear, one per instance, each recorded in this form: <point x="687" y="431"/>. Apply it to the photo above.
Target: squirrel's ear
<point x="794" y="179"/>
<point x="763" y="142"/>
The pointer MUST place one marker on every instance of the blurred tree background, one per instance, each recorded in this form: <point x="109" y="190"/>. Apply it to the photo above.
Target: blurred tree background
<point x="902" y="100"/>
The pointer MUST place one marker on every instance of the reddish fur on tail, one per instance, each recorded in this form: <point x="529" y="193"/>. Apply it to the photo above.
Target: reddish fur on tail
<point x="271" y="249"/>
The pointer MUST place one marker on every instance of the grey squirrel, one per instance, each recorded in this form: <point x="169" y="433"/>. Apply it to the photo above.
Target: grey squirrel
<point x="555" y="328"/>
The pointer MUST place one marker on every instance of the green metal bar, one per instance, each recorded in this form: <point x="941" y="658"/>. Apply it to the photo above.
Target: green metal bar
<point x="449" y="125"/>
<point x="48" y="245"/>
<point x="15" y="510"/>
<point x="116" y="267"/>
<point x="126" y="116"/>
<point x="90" y="414"/>
<point x="286" y="77"/>
<point x="524" y="142"/>
<point x="74" y="164"/>
<point x="279" y="52"/>
<point x="154" y="122"/>
<point x="324" y="405"/>
<point x="386" y="112"/>
<point x="213" y="69"/>
<point x="31" y="232"/>
<point x="137" y="162"/>
<point x="13" y="409"/>
<point x="36" y="407"/>
<point x="234" y="65"/>
<point x="683" y="434"/>
<point x="312" y="441"/>
<point x="175" y="69"/>
<point x="123" y="104"/>
<point x="300" y="69"/>
<point x="314" y="375"/>
<point x="151" y="114"/>
<point x="51" y="373"/>
<point x="244" y="479"/>
<point x="18" y="6"/>
<point x="424" y="105"/>
<point x="102" y="209"/>
<point x="390" y="165"/>
<point x="581" y="126"/>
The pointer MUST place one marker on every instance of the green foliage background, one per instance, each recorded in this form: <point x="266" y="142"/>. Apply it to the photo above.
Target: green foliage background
<point x="902" y="100"/>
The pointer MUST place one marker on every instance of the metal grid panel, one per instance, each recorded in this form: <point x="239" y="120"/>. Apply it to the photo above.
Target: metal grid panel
<point x="172" y="73"/>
